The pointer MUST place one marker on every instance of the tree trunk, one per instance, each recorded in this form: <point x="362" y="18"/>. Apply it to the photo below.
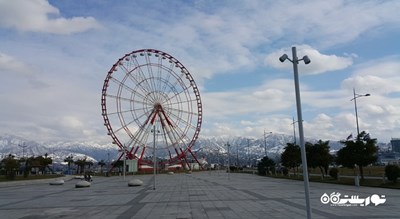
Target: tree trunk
<point x="361" y="171"/>
<point x="326" y="170"/>
<point x="322" y="172"/>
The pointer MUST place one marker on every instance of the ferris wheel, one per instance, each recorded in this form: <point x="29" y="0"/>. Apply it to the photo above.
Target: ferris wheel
<point x="151" y="106"/>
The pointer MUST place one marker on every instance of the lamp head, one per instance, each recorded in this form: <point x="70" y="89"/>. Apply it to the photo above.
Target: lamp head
<point x="367" y="95"/>
<point x="306" y="60"/>
<point x="283" y="58"/>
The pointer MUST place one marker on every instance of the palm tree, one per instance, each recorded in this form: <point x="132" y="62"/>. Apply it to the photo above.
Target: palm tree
<point x="318" y="156"/>
<point x="291" y="157"/>
<point x="101" y="163"/>
<point x="361" y="152"/>
<point x="69" y="160"/>
<point x="81" y="165"/>
<point x="11" y="165"/>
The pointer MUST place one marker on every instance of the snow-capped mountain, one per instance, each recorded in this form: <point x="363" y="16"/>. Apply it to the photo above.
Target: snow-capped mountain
<point x="58" y="151"/>
<point x="244" y="149"/>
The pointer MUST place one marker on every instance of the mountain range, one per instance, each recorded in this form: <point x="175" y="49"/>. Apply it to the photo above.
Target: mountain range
<point x="243" y="149"/>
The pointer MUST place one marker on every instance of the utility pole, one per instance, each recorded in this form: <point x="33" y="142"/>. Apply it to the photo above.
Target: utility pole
<point x="154" y="156"/>
<point x="248" y="152"/>
<point x="265" y="143"/>
<point x="23" y="146"/>
<point x="294" y="131"/>
<point x="229" y="161"/>
<point x="237" y="155"/>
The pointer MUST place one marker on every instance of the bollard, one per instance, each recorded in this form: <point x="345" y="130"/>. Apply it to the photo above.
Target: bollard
<point x="135" y="182"/>
<point x="357" y="180"/>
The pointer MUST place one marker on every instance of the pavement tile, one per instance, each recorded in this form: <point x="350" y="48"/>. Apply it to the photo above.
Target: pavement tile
<point x="199" y="195"/>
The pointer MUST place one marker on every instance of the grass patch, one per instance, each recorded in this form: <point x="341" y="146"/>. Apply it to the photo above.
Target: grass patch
<point x="343" y="181"/>
<point x="373" y="176"/>
<point x="30" y="177"/>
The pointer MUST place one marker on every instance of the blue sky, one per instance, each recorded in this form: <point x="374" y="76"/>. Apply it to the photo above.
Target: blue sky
<point x="54" y="56"/>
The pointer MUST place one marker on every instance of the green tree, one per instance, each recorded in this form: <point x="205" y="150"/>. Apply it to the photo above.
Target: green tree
<point x="11" y="165"/>
<point x="28" y="165"/>
<point x="119" y="164"/>
<point x="42" y="163"/>
<point x="265" y="165"/>
<point x="101" y="163"/>
<point x="392" y="172"/>
<point x="361" y="152"/>
<point x="81" y="165"/>
<point x="318" y="156"/>
<point x="291" y="157"/>
<point x="88" y="163"/>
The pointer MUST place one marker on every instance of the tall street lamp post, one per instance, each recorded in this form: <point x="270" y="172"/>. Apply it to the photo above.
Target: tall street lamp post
<point x="124" y="161"/>
<point x="295" y="62"/>
<point x="23" y="146"/>
<point x="229" y="160"/>
<point x="355" y="96"/>
<point x="294" y="131"/>
<point x="154" y="156"/>
<point x="123" y="151"/>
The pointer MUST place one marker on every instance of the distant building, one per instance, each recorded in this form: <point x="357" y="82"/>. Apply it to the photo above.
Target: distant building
<point x="395" y="142"/>
<point x="385" y="158"/>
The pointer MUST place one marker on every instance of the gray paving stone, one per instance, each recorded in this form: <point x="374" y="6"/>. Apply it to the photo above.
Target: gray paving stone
<point x="196" y="196"/>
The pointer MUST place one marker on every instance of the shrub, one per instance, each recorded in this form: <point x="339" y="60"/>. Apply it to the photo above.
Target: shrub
<point x="285" y="171"/>
<point x="392" y="172"/>
<point x="333" y="172"/>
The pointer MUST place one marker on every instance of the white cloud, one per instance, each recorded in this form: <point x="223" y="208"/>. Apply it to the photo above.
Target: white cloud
<point x="380" y="76"/>
<point x="71" y="122"/>
<point x="222" y="38"/>
<point x="273" y="96"/>
<point x="374" y="109"/>
<point x="320" y="63"/>
<point x="38" y="16"/>
<point x="11" y="65"/>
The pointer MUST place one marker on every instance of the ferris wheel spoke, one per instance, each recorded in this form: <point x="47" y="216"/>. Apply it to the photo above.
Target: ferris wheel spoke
<point x="167" y="79"/>
<point x="128" y="100"/>
<point x="176" y="94"/>
<point x="175" y="133"/>
<point x="140" y="136"/>
<point x="165" y="85"/>
<point x="139" y="79"/>
<point x="125" y="111"/>
<point x="159" y="72"/>
<point x="121" y="84"/>
<point x="177" y="114"/>
<point x="144" y="78"/>
<point x="183" y="121"/>
<point x="152" y="84"/>
<point x="172" y="110"/>
<point x="123" y="127"/>
<point x="172" y="106"/>
<point x="172" y="88"/>
<point x="120" y="98"/>
<point x="182" y="132"/>
<point x="167" y="126"/>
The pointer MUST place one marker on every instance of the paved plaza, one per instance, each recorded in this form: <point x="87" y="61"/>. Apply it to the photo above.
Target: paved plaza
<point x="197" y="195"/>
